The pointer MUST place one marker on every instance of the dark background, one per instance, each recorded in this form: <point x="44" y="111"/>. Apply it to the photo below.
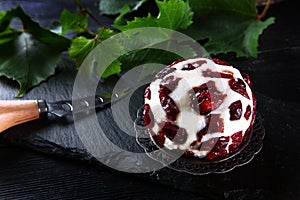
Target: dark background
<point x="273" y="174"/>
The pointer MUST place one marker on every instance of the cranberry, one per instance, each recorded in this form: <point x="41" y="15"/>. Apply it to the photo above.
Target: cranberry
<point x="208" y="145"/>
<point x="170" y="130"/>
<point x="192" y="66"/>
<point x="181" y="136"/>
<point x="220" y="62"/>
<point x="188" y="67"/>
<point x="148" y="116"/>
<point x="189" y="153"/>
<point x="147" y="93"/>
<point x="206" y="98"/>
<point x="216" y="124"/>
<point x="169" y="106"/>
<point x="164" y="90"/>
<point x="204" y="102"/>
<point x="170" y="82"/>
<point x="173" y="132"/>
<point x="201" y="133"/>
<point x="247" y="78"/>
<point x="219" y="149"/>
<point x="194" y="144"/>
<point x="164" y="72"/>
<point x="201" y="62"/>
<point x="236" y="110"/>
<point x="175" y="62"/>
<point x="212" y="74"/>
<point x="238" y="86"/>
<point x="248" y="112"/>
<point x="237" y="139"/>
<point x="161" y="139"/>
<point x="167" y="103"/>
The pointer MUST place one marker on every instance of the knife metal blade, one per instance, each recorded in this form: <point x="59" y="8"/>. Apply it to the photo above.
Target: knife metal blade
<point x="68" y="107"/>
<point x="14" y="112"/>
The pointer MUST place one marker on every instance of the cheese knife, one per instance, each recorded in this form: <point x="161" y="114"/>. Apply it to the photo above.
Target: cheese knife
<point x="16" y="112"/>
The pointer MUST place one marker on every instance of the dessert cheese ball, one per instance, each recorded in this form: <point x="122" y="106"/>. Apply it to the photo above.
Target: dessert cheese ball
<point x="201" y="106"/>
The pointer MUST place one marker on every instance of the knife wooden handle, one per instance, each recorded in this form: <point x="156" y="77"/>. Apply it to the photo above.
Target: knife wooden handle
<point x="17" y="112"/>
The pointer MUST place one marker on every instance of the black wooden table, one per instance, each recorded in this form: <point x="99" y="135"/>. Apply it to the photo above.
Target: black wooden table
<point x="27" y="173"/>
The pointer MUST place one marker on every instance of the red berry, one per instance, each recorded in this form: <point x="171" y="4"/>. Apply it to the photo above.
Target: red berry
<point x="219" y="149"/>
<point x="188" y="67"/>
<point x="206" y="98"/>
<point x="236" y="110"/>
<point x="216" y="124"/>
<point x="169" y="106"/>
<point x="211" y="74"/>
<point x="237" y="139"/>
<point x="238" y="86"/>
<point x="220" y="62"/>
<point x="247" y="78"/>
<point x="248" y="112"/>
<point x="164" y="72"/>
<point x="148" y="116"/>
<point x="147" y="94"/>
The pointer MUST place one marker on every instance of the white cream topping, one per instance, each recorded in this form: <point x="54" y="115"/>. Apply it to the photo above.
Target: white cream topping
<point x="188" y="118"/>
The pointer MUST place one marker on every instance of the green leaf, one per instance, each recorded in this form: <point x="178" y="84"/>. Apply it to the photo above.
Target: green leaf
<point x="104" y="34"/>
<point x="120" y="20"/>
<point x="7" y="36"/>
<point x="113" y="68"/>
<point x="113" y="7"/>
<point x="173" y="14"/>
<point x="2" y="14"/>
<point x="81" y="47"/>
<point x="229" y="26"/>
<point x="77" y="22"/>
<point x="28" y="56"/>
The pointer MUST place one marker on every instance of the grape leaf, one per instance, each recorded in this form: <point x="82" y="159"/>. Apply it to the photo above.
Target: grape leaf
<point x="229" y="26"/>
<point x="113" y="7"/>
<point x="28" y="56"/>
<point x="82" y="46"/>
<point x="113" y="68"/>
<point x="104" y="34"/>
<point x="120" y="20"/>
<point x="175" y="14"/>
<point x="77" y="22"/>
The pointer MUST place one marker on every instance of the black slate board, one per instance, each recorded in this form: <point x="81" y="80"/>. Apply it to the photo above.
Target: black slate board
<point x="55" y="136"/>
<point x="272" y="173"/>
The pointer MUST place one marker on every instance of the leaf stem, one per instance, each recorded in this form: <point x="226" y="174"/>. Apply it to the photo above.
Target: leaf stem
<point x="93" y="17"/>
<point x="96" y="37"/>
<point x="267" y="6"/>
<point x="79" y="4"/>
<point x="87" y="30"/>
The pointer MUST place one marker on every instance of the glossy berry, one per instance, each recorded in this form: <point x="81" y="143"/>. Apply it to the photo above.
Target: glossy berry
<point x="206" y="98"/>
<point x="248" y="112"/>
<point x="219" y="149"/>
<point x="220" y="62"/>
<point x="147" y="94"/>
<point x="148" y="116"/>
<point x="211" y="74"/>
<point x="236" y="110"/>
<point x="164" y="72"/>
<point x="238" y="86"/>
<point x="237" y="139"/>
